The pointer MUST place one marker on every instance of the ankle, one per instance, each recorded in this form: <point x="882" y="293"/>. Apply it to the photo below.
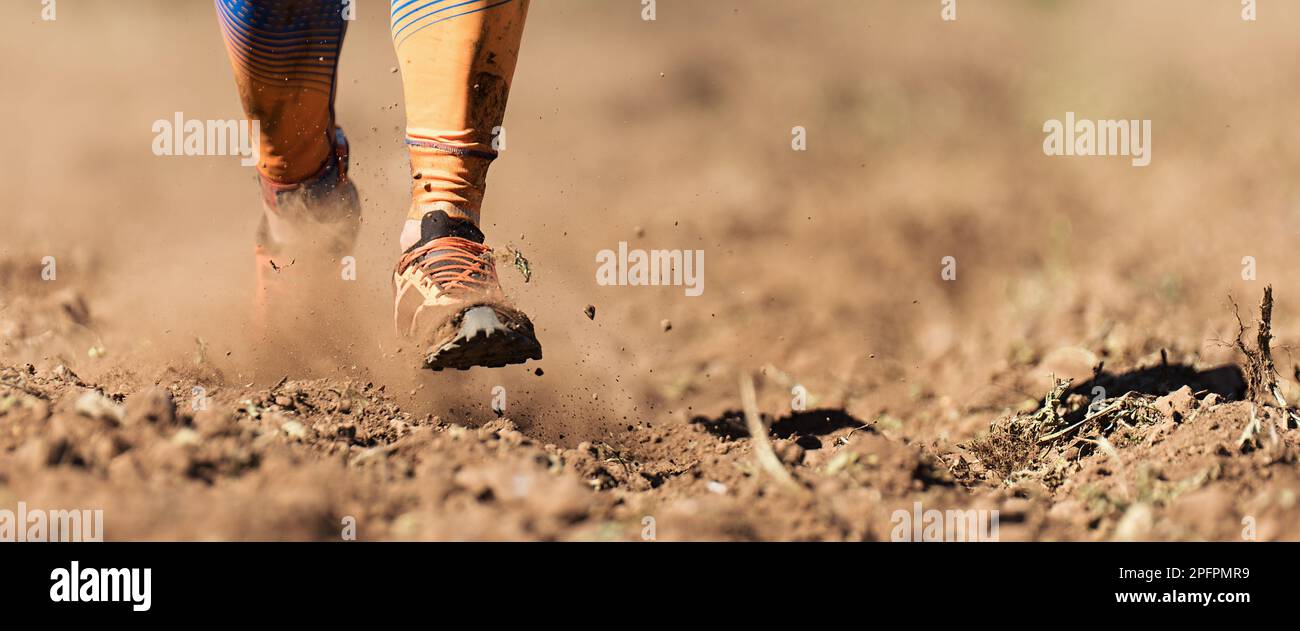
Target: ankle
<point x="430" y="221"/>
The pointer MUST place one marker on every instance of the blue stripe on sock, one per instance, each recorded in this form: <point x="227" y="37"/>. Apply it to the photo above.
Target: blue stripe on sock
<point x="406" y="21"/>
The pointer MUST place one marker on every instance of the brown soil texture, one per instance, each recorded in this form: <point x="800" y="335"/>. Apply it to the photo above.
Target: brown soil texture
<point x="131" y="380"/>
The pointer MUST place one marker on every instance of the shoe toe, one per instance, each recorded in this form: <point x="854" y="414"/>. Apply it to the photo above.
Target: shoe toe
<point x="485" y="339"/>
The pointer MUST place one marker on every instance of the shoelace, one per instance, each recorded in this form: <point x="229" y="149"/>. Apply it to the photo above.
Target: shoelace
<point x="452" y="264"/>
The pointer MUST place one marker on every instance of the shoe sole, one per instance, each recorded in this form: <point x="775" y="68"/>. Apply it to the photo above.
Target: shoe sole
<point x="483" y="340"/>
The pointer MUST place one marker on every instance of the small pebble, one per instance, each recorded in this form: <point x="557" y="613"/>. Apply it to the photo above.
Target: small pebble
<point x="294" y="429"/>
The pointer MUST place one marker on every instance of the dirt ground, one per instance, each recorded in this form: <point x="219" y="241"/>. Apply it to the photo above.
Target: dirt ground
<point x="132" y="381"/>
